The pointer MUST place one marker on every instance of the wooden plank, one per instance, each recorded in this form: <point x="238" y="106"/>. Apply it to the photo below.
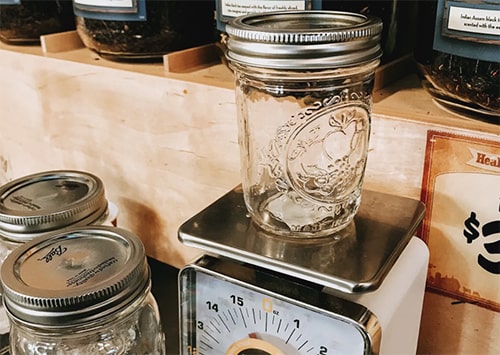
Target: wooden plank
<point x="60" y="42"/>
<point x="192" y="58"/>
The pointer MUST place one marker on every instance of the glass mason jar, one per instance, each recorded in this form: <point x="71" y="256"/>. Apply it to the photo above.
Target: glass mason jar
<point x="147" y="29"/>
<point x="458" y="56"/>
<point x="24" y="21"/>
<point x="85" y="290"/>
<point x="47" y="201"/>
<point x="304" y="81"/>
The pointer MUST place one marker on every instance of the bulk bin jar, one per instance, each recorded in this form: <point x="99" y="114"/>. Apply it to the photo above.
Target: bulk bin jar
<point x="143" y="29"/>
<point x="304" y="81"/>
<point x="457" y="54"/>
<point x="85" y="290"/>
<point x="24" y="21"/>
<point x="399" y="18"/>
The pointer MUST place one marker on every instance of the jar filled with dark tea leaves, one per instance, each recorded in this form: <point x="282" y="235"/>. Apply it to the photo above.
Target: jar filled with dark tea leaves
<point x="146" y="29"/>
<point x="399" y="18"/>
<point x="24" y="21"/>
<point x="459" y="56"/>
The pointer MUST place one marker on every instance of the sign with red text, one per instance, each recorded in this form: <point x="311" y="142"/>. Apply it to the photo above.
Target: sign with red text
<point x="461" y="190"/>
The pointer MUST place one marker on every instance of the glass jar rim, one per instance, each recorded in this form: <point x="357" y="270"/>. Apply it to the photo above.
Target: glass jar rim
<point x="304" y="39"/>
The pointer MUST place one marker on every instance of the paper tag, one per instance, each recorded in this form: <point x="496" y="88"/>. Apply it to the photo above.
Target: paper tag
<point x="461" y="190"/>
<point x="228" y="9"/>
<point x="474" y="20"/>
<point x="468" y="28"/>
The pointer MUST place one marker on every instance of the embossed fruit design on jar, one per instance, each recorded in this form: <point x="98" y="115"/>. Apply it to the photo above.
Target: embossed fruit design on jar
<point x="304" y="81"/>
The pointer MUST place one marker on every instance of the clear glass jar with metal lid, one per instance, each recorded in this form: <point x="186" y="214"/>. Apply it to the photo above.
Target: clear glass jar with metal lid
<point x="45" y="202"/>
<point x="85" y="290"/>
<point x="304" y="81"/>
<point x="48" y="201"/>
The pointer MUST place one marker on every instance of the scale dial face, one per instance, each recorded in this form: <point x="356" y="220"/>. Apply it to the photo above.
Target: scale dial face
<point x="241" y="312"/>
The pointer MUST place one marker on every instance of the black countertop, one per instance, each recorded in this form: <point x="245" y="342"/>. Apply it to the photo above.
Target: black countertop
<point x="164" y="288"/>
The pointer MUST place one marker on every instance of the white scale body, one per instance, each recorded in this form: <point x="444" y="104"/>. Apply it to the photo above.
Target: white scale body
<point x="357" y="292"/>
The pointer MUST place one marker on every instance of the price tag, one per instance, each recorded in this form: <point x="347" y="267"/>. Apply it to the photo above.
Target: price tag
<point x="461" y="190"/>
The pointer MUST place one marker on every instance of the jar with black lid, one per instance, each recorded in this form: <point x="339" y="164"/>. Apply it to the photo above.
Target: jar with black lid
<point x="457" y="56"/>
<point x="144" y="29"/>
<point x="84" y="290"/>
<point x="24" y="21"/>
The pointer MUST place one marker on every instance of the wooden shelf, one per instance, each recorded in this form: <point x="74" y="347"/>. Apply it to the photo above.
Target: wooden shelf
<point x="399" y="94"/>
<point x="214" y="75"/>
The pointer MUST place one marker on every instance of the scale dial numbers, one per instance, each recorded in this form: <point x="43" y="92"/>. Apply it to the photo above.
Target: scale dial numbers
<point x="235" y="318"/>
<point x="251" y="329"/>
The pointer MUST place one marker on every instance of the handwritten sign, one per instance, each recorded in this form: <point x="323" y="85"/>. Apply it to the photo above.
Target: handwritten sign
<point x="461" y="189"/>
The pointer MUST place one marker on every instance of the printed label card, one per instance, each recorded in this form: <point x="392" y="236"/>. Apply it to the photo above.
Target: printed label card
<point x="461" y="191"/>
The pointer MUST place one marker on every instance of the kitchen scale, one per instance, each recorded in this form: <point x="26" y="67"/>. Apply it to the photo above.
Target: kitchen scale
<point x="359" y="291"/>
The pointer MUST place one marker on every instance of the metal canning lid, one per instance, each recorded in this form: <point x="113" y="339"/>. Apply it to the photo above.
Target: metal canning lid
<point x="77" y="276"/>
<point x="304" y="39"/>
<point x="47" y="201"/>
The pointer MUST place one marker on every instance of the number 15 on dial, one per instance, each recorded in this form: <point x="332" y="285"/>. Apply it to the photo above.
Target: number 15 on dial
<point x="239" y="309"/>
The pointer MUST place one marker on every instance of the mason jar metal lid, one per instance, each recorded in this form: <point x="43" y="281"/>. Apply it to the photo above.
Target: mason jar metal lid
<point x="73" y="277"/>
<point x="50" y="200"/>
<point x="303" y="39"/>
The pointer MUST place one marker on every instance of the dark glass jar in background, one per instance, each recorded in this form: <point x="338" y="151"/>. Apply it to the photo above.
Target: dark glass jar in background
<point x="24" y="21"/>
<point x="399" y="18"/>
<point x="165" y="26"/>
<point x="457" y="56"/>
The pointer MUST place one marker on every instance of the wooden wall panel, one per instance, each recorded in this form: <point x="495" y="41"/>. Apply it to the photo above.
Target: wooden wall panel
<point x="164" y="148"/>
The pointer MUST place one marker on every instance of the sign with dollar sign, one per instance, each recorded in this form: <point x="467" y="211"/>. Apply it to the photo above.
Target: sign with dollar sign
<point x="461" y="190"/>
<point x="471" y="227"/>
